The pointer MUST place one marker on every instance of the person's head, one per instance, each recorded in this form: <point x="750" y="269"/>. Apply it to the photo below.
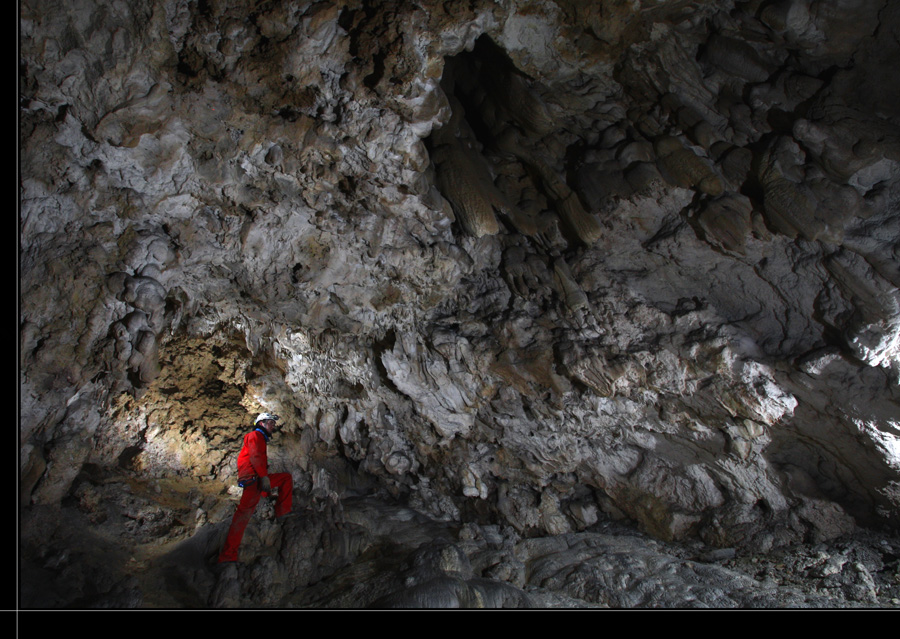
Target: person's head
<point x="269" y="421"/>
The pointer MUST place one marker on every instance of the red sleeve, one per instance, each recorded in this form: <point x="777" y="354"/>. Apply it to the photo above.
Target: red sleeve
<point x="257" y="449"/>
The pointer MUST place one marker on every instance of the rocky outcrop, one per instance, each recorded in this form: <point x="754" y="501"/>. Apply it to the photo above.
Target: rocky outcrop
<point x="373" y="554"/>
<point x="525" y="266"/>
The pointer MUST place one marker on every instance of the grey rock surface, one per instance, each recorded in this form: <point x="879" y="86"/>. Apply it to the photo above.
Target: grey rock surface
<point x="527" y="267"/>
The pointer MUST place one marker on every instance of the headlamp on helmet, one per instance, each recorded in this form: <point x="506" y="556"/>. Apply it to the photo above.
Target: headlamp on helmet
<point x="265" y="417"/>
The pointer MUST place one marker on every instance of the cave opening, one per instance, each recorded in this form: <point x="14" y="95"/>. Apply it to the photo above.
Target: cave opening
<point x="483" y="161"/>
<point x="504" y="159"/>
<point x="470" y="78"/>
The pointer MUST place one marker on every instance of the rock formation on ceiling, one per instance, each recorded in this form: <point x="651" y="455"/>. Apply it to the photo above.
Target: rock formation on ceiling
<point x="514" y="272"/>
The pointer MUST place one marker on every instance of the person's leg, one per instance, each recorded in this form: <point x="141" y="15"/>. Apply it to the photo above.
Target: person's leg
<point x="285" y="485"/>
<point x="245" y="509"/>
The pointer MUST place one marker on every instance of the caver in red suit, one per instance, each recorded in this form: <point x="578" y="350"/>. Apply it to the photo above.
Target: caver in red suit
<point x="254" y="478"/>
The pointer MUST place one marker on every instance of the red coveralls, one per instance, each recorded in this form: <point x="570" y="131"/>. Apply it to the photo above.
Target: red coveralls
<point x="253" y="463"/>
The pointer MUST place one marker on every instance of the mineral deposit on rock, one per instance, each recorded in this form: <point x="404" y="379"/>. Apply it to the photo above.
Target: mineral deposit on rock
<point x="563" y="304"/>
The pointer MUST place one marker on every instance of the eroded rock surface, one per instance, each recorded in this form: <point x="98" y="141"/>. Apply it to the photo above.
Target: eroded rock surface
<point x="518" y="269"/>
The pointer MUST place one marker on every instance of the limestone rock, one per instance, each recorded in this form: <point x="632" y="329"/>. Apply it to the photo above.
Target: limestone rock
<point x="523" y="270"/>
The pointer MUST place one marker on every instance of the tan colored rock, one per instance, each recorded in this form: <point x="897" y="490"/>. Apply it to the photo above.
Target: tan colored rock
<point x="685" y="168"/>
<point x="727" y="222"/>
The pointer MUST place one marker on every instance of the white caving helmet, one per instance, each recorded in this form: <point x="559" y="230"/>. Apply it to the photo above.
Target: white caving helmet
<point x="264" y="416"/>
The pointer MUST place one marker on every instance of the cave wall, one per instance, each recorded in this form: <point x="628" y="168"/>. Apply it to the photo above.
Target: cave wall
<point x="522" y="261"/>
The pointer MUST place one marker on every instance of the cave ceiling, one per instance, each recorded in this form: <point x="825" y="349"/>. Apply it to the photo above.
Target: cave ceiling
<point x="528" y="261"/>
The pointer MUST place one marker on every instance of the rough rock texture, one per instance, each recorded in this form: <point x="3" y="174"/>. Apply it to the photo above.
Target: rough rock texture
<point x="510" y="270"/>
